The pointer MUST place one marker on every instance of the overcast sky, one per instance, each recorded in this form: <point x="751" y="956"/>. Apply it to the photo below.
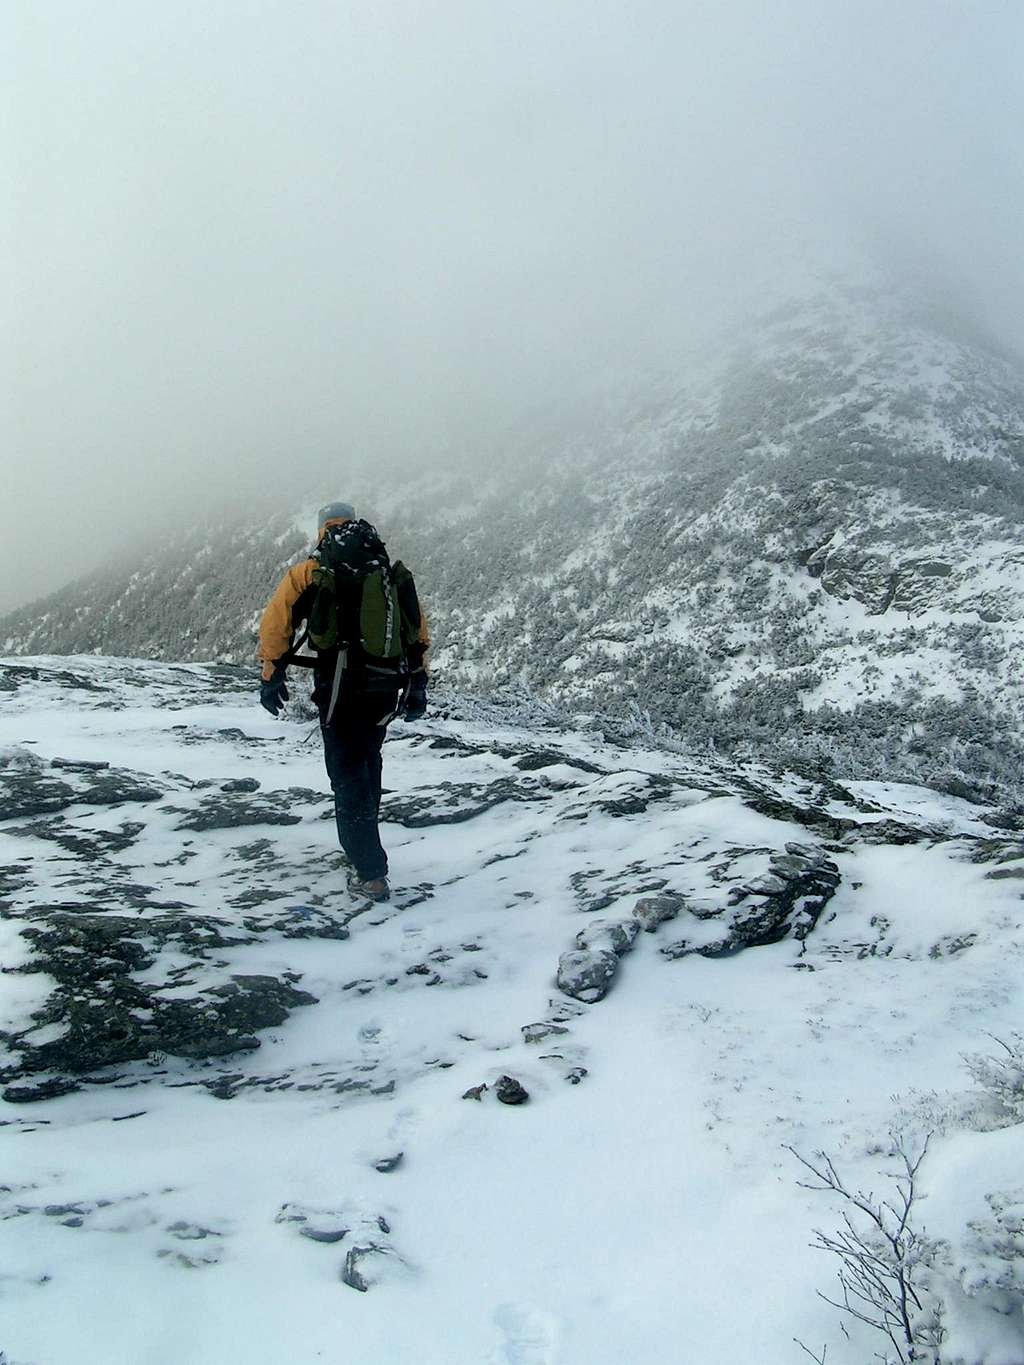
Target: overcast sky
<point x="248" y="239"/>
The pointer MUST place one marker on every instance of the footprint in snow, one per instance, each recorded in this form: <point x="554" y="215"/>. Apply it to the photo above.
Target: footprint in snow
<point x="404" y="1124"/>
<point x="527" y="1337"/>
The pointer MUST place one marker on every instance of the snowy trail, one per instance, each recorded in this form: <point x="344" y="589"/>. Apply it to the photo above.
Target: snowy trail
<point x="649" y="1213"/>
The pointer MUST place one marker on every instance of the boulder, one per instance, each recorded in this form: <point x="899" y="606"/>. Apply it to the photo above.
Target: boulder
<point x="618" y="936"/>
<point x="650" y="911"/>
<point x="586" y="975"/>
<point x="511" y="1091"/>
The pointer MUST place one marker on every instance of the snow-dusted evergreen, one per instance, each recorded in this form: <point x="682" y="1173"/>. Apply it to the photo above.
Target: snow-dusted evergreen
<point x="807" y="545"/>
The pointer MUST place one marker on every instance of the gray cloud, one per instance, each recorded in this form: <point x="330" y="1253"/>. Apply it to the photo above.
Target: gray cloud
<point x="254" y="240"/>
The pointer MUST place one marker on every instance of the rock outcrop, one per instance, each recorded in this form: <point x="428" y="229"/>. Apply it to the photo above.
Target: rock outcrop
<point x="784" y="901"/>
<point x="106" y="1008"/>
<point x="848" y="568"/>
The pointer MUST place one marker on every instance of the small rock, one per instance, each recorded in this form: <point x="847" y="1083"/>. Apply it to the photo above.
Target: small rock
<point x="224" y="1087"/>
<point x="240" y="784"/>
<point x="674" y="951"/>
<point x="787" y="865"/>
<point x="388" y="1163"/>
<point x="563" y="1011"/>
<point x="190" y="1232"/>
<point x="474" y="1092"/>
<point x="766" y="885"/>
<point x="576" y="1075"/>
<point x="617" y="935"/>
<point x="952" y="945"/>
<point x="509" y="1091"/>
<point x="536" y="1033"/>
<point x="288" y="1213"/>
<point x="650" y="911"/>
<point x="193" y="1261"/>
<point x="352" y="1272"/>
<point x="586" y="976"/>
<point x="80" y="765"/>
<point x="328" y="1236"/>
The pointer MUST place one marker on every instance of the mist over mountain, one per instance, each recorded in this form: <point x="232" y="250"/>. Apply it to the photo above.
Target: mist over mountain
<point x="807" y="545"/>
<point x="253" y="245"/>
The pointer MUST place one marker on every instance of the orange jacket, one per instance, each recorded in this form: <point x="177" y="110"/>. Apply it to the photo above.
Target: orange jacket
<point x="286" y="610"/>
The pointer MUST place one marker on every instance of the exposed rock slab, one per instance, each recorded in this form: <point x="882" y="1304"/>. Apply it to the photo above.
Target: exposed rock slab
<point x="786" y="900"/>
<point x="229" y="811"/>
<point x="28" y="788"/>
<point x="102" y="1011"/>
<point x="452" y="803"/>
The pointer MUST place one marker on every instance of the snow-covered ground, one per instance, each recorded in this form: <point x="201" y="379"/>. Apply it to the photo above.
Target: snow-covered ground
<point x="642" y="1206"/>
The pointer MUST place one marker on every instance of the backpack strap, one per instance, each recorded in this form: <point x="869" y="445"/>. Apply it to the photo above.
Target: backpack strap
<point x="290" y="655"/>
<point x="339" y="669"/>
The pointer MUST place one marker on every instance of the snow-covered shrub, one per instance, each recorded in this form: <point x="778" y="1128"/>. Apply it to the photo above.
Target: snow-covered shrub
<point x="1001" y="1076"/>
<point x="995" y="1245"/>
<point x="938" y="1267"/>
<point x="884" y="1259"/>
<point x="975" y="1211"/>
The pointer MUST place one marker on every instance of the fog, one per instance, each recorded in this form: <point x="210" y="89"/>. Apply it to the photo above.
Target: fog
<point x="254" y="244"/>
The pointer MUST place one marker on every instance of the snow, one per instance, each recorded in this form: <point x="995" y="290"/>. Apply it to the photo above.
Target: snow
<point x="970" y="1178"/>
<point x="648" y="1214"/>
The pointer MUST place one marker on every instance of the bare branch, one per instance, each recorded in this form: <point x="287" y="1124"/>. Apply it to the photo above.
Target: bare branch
<point x="820" y="1359"/>
<point x="878" y="1251"/>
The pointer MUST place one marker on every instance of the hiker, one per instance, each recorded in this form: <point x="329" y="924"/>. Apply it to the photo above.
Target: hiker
<point x="363" y="619"/>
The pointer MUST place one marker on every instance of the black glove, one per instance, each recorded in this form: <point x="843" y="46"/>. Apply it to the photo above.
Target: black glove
<point x="274" y="692"/>
<point x="416" y="701"/>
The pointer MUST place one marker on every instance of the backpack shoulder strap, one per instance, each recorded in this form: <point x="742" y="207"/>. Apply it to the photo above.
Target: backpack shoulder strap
<point x="411" y="614"/>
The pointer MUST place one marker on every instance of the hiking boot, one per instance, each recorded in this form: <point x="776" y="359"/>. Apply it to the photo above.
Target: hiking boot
<point x="373" y="888"/>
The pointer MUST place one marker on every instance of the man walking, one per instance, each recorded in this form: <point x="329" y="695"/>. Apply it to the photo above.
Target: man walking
<point x="364" y="621"/>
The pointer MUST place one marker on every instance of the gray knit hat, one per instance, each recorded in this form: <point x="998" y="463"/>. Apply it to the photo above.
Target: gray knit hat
<point x="333" y="512"/>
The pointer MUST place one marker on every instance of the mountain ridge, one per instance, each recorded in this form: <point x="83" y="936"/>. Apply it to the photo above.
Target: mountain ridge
<point x="809" y="541"/>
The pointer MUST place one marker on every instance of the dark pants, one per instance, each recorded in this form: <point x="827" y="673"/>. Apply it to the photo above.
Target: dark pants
<point x="352" y="745"/>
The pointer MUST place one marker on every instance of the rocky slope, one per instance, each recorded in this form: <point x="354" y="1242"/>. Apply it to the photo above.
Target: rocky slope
<point x="534" y="1110"/>
<point x="807" y="542"/>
